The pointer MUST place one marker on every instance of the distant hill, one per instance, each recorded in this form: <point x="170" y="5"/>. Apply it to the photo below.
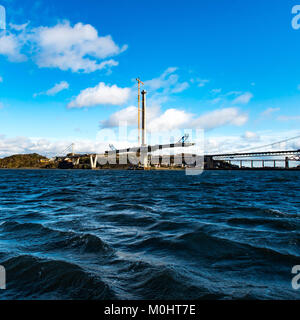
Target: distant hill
<point x="33" y="160"/>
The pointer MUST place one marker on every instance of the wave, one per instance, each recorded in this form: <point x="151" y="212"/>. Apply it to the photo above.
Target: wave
<point x="30" y="277"/>
<point x="152" y="281"/>
<point x="217" y="248"/>
<point x="276" y="225"/>
<point x="50" y="239"/>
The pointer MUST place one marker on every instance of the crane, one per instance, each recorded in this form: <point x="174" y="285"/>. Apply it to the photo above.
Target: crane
<point x="139" y="110"/>
<point x="112" y="147"/>
<point x="184" y="138"/>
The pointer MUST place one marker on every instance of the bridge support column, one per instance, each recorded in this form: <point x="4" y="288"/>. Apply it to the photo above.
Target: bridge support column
<point x="286" y="162"/>
<point x="274" y="163"/>
<point x="251" y="164"/>
<point x="263" y="163"/>
<point x="241" y="164"/>
<point x="93" y="162"/>
<point x="209" y="162"/>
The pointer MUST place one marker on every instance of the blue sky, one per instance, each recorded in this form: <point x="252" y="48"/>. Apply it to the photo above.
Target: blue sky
<point x="67" y="69"/>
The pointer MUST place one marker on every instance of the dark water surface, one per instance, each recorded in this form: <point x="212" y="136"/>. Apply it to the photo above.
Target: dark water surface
<point x="149" y="235"/>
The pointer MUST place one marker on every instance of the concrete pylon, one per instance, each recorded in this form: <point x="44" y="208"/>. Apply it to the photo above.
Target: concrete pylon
<point x="286" y="162"/>
<point x="144" y="133"/>
<point x="144" y="149"/>
<point x="93" y="162"/>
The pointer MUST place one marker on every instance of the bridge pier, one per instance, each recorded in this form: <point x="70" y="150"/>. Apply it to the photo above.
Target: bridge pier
<point x="286" y="162"/>
<point x="76" y="161"/>
<point x="93" y="162"/>
<point x="209" y="162"/>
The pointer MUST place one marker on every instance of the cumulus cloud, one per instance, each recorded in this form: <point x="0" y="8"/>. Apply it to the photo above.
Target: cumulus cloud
<point x="11" y="46"/>
<point x="169" y="120"/>
<point x="172" y="118"/>
<point x="47" y="147"/>
<point x="214" y="144"/>
<point x="226" y="144"/>
<point x="101" y="94"/>
<point x="129" y="117"/>
<point x="54" y="147"/>
<point x="221" y="117"/>
<point x="78" y="48"/>
<point x="63" y="85"/>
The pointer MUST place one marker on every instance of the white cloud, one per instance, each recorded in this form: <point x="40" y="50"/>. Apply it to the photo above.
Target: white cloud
<point x="269" y="111"/>
<point x="101" y="94"/>
<point x="216" y="100"/>
<point x="233" y="93"/>
<point x="249" y="135"/>
<point x="180" y="87"/>
<point x="128" y="115"/>
<point x="225" y="144"/>
<point x="169" y="120"/>
<point x="172" y="118"/>
<point x="214" y="91"/>
<point x="76" y="48"/>
<point x="243" y="98"/>
<point x="63" y="85"/>
<point x="10" y="46"/>
<point x="202" y="83"/>
<point x="219" y="118"/>
<point x="168" y="81"/>
<point x="213" y="144"/>
<point x="288" y="118"/>
<point x="19" y="27"/>
<point x="232" y="97"/>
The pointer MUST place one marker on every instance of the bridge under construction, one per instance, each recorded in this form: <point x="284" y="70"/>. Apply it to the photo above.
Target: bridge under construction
<point x="142" y="157"/>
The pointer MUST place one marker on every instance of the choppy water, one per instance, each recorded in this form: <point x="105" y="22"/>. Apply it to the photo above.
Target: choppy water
<point x="149" y="235"/>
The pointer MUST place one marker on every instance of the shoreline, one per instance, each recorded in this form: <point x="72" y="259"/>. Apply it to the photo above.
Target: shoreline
<point x="158" y="169"/>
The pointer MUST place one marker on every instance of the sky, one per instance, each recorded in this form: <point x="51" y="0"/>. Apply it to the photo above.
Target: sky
<point x="68" y="70"/>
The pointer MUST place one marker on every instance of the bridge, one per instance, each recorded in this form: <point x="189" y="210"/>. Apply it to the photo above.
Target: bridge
<point x="143" y="157"/>
<point x="142" y="154"/>
<point x="261" y="157"/>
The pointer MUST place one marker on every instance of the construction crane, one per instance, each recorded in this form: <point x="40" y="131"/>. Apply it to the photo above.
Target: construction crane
<point x="112" y="147"/>
<point x="184" y="138"/>
<point x="139" y="110"/>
